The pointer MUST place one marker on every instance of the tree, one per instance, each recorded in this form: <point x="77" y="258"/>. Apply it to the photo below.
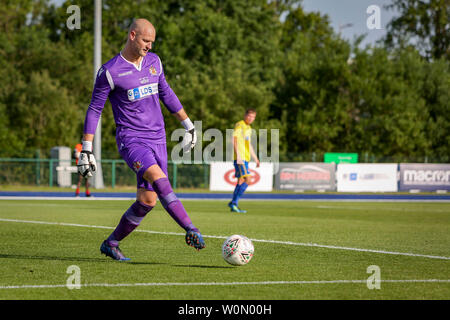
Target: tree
<point x="390" y="114"/>
<point x="309" y="100"/>
<point x="50" y="116"/>
<point x="389" y="103"/>
<point x="425" y="23"/>
<point x="222" y="57"/>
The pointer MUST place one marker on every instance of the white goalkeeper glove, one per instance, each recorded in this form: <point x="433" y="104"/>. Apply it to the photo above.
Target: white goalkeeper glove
<point x="86" y="163"/>
<point x="190" y="136"/>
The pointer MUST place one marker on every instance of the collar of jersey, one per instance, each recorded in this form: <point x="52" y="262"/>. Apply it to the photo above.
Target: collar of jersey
<point x="134" y="65"/>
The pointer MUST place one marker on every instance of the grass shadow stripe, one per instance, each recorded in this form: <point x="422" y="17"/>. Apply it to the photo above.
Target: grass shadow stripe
<point x="254" y="240"/>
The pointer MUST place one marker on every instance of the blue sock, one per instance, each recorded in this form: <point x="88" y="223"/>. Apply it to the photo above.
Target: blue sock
<point x="242" y="190"/>
<point x="235" y="194"/>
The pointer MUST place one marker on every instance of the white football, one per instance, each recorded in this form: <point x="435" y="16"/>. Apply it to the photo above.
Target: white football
<point x="237" y="250"/>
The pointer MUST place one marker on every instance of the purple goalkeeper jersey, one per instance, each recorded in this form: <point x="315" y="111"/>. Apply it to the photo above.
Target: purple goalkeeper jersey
<point x="134" y="93"/>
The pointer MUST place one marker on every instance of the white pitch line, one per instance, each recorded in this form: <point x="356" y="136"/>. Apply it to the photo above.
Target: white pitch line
<point x="72" y="198"/>
<point x="170" y="284"/>
<point x="133" y="197"/>
<point x="254" y="240"/>
<point x="376" y="209"/>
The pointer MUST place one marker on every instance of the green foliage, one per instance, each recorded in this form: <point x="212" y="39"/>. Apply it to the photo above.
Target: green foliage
<point x="221" y="57"/>
<point x="310" y="92"/>
<point x="424" y="23"/>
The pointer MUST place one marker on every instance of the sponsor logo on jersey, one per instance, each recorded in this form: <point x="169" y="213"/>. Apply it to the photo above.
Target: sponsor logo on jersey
<point x="142" y="91"/>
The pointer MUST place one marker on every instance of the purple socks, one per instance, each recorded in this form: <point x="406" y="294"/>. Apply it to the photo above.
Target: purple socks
<point x="171" y="203"/>
<point x="129" y="221"/>
<point x="138" y="210"/>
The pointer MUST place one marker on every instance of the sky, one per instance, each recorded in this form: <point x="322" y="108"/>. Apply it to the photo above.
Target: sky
<point x="343" y="12"/>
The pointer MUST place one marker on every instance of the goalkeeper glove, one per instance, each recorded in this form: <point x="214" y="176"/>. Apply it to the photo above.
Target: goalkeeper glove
<point x="86" y="163"/>
<point x="190" y="136"/>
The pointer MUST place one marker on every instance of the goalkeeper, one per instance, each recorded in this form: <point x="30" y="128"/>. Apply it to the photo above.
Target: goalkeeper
<point x="134" y="82"/>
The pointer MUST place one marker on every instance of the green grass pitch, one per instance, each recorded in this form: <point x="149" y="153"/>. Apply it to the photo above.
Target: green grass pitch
<point x="303" y="250"/>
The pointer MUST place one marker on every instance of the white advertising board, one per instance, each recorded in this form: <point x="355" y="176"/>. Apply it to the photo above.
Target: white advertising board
<point x="367" y="177"/>
<point x="222" y="177"/>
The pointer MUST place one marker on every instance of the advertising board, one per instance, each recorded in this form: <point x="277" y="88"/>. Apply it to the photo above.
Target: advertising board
<point x="367" y="177"/>
<point x="424" y="176"/>
<point x="222" y="177"/>
<point x="305" y="176"/>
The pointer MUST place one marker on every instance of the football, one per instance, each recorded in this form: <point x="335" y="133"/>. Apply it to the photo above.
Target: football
<point x="237" y="250"/>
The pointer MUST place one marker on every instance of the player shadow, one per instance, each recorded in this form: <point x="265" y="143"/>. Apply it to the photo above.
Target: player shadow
<point x="141" y="262"/>
<point x="201" y="266"/>
<point x="79" y="259"/>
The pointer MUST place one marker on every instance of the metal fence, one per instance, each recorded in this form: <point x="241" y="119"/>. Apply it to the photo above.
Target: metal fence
<point x="42" y="172"/>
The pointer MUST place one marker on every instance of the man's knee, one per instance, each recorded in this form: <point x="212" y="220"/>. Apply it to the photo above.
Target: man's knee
<point x="245" y="179"/>
<point x="147" y="197"/>
<point x="154" y="173"/>
<point x="150" y="203"/>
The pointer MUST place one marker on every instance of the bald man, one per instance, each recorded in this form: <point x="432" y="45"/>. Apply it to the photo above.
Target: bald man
<point x="134" y="82"/>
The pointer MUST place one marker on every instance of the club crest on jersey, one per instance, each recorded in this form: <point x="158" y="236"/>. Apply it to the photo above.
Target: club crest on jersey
<point x="152" y="70"/>
<point x="137" y="165"/>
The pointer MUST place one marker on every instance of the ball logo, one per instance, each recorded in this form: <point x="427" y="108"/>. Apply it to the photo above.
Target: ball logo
<point x="231" y="179"/>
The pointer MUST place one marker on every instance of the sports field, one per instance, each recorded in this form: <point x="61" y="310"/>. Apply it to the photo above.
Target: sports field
<point x="303" y="250"/>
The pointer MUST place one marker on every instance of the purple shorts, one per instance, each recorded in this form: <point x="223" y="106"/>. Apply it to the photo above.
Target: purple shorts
<point x="140" y="154"/>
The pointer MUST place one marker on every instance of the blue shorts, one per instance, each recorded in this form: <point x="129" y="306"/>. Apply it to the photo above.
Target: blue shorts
<point x="241" y="170"/>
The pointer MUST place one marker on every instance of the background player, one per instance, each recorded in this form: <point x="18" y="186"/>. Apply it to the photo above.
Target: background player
<point x="76" y="154"/>
<point x="134" y="82"/>
<point x="243" y="151"/>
